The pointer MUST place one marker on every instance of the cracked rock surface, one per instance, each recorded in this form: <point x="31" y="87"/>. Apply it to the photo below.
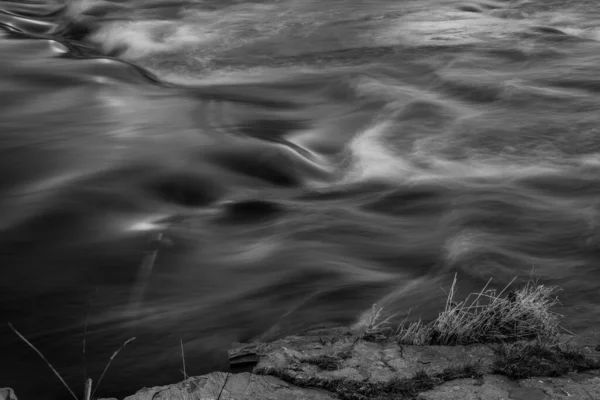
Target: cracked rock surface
<point x="582" y="386"/>
<point x="224" y="386"/>
<point x="361" y="360"/>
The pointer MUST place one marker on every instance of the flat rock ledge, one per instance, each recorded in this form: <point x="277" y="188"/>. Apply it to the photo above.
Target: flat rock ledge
<point x="337" y="364"/>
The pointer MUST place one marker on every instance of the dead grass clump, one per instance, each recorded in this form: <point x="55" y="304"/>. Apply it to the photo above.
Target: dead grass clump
<point x="523" y="360"/>
<point x="484" y="317"/>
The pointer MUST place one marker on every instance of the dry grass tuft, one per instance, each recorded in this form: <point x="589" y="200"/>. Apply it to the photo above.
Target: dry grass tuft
<point x="484" y="317"/>
<point x="377" y="328"/>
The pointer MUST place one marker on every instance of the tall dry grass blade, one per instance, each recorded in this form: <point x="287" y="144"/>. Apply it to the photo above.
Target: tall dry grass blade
<point x="450" y="296"/>
<point x="506" y="287"/>
<point x="109" y="362"/>
<point x="23" y="338"/>
<point x="400" y="326"/>
<point x="481" y="292"/>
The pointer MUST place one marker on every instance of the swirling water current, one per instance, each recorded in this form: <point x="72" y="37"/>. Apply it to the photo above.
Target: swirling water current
<point x="210" y="171"/>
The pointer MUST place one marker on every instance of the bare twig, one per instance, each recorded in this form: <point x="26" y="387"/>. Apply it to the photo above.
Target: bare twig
<point x="45" y="360"/>
<point x="109" y="362"/>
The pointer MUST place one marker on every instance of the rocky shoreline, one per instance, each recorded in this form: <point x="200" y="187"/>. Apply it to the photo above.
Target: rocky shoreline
<point x="340" y="364"/>
<point x="501" y="348"/>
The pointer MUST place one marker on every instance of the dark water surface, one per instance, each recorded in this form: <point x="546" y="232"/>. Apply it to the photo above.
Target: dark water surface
<point x="218" y="171"/>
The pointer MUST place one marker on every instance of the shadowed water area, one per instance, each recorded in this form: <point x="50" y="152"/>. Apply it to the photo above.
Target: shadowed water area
<point x="218" y="171"/>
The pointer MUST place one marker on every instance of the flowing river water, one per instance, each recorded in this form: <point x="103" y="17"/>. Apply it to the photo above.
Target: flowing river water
<point x="209" y="171"/>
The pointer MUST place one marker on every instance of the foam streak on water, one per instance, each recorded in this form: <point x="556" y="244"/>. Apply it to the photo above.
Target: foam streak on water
<point x="218" y="171"/>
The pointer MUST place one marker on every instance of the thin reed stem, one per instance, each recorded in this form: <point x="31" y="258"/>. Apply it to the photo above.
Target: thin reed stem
<point x="23" y="338"/>
<point x="109" y="362"/>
